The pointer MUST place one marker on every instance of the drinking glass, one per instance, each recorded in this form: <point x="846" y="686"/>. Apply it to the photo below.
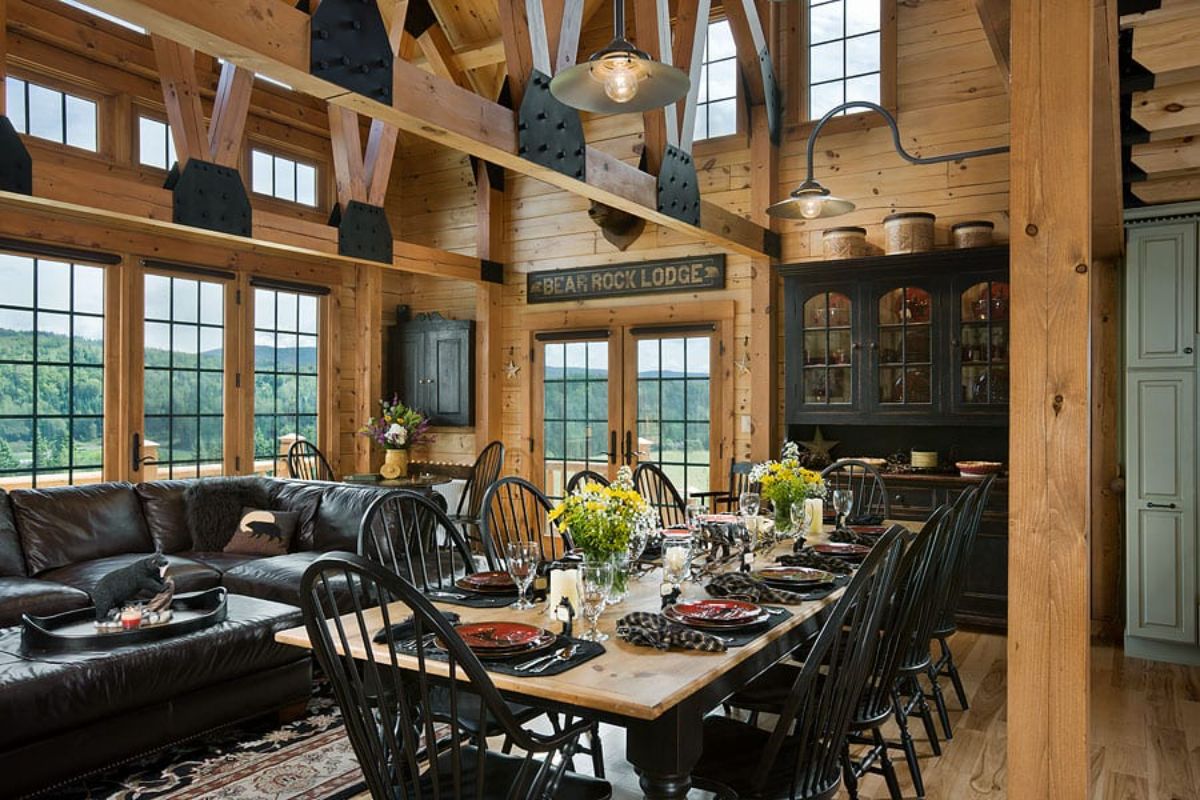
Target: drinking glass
<point x="522" y="559"/>
<point x="694" y="512"/>
<point x="801" y="518"/>
<point x="749" y="504"/>
<point x="843" y="501"/>
<point x="595" y="584"/>
<point x="677" y="558"/>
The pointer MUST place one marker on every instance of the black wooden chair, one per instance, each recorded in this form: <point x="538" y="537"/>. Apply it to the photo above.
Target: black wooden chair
<point x="514" y="510"/>
<point x="802" y="756"/>
<point x="656" y="488"/>
<point x="409" y="534"/>
<point x="415" y="733"/>
<point x="739" y="482"/>
<point x="306" y="462"/>
<point x="484" y="472"/>
<point x="585" y="476"/>
<point x="871" y="505"/>
<point x="947" y="624"/>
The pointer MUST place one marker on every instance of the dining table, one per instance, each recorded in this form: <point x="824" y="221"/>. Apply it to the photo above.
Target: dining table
<point x="658" y="697"/>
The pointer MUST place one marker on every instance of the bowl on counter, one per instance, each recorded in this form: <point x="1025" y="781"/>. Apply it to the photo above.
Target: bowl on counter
<point x="877" y="463"/>
<point x="978" y="469"/>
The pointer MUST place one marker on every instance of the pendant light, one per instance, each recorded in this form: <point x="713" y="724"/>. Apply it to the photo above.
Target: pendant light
<point x="811" y="200"/>
<point x="620" y="78"/>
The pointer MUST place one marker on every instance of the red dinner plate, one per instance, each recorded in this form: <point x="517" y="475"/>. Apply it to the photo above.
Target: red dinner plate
<point x="794" y="576"/>
<point x="494" y="582"/>
<point x="726" y="519"/>
<point x="845" y="549"/>
<point x="504" y="638"/>
<point x="869" y="530"/>
<point x="733" y="612"/>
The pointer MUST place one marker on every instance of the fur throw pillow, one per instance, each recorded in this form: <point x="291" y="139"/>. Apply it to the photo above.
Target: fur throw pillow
<point x="214" y="508"/>
<point x="263" y="533"/>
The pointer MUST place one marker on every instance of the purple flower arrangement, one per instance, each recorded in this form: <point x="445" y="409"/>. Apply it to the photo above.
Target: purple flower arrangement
<point x="398" y="427"/>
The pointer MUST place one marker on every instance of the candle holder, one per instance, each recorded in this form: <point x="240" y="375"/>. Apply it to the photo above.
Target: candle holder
<point x="677" y="560"/>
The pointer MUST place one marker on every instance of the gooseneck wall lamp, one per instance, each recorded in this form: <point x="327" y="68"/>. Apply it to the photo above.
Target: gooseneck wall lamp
<point x="620" y="78"/>
<point x="811" y="200"/>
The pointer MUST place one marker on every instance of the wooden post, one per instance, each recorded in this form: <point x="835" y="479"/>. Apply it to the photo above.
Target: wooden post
<point x="489" y="406"/>
<point x="1050" y="486"/>
<point x="764" y="305"/>
<point x="3" y="56"/>
<point x="368" y="352"/>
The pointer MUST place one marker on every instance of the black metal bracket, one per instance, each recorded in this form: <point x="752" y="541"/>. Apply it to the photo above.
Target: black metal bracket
<point x="350" y="47"/>
<point x="772" y="94"/>
<point x="16" y="165"/>
<point x="495" y="172"/>
<point x="550" y="133"/>
<point x="678" y="186"/>
<point x="363" y="232"/>
<point x="491" y="271"/>
<point x="419" y="18"/>
<point x="209" y="196"/>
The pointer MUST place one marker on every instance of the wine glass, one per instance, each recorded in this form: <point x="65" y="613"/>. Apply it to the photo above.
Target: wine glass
<point x="749" y="503"/>
<point x="801" y="518"/>
<point x="522" y="559"/>
<point x="595" y="584"/>
<point x="694" y="512"/>
<point x="843" y="501"/>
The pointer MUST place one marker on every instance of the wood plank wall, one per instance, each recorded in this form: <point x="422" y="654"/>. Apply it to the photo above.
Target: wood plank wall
<point x="950" y="98"/>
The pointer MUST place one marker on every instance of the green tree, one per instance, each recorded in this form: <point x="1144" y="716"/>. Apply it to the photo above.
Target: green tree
<point x="7" y="459"/>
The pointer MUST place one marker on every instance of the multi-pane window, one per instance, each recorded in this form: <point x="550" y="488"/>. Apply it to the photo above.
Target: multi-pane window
<point x="51" y="371"/>
<point x="674" y="386"/>
<point x="575" y="411"/>
<point x="716" y="106"/>
<point x="184" y="376"/>
<point x="156" y="148"/>
<point x="284" y="178"/>
<point x="285" y="372"/>
<point x="843" y="53"/>
<point x="50" y="114"/>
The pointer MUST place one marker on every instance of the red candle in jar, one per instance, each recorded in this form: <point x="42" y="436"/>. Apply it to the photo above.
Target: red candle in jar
<point x="131" y="618"/>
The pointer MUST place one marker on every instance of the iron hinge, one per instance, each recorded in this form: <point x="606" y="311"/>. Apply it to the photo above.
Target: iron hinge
<point x="722" y="348"/>
<point x="237" y="463"/>
<point x="531" y="444"/>
<point x="237" y="380"/>
<point x="532" y="354"/>
<point x="237" y="297"/>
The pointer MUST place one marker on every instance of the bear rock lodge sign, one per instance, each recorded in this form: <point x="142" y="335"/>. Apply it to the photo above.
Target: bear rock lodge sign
<point x="647" y="277"/>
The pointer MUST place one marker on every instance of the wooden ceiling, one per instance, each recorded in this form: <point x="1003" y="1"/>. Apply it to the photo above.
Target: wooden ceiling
<point x="1160" y="93"/>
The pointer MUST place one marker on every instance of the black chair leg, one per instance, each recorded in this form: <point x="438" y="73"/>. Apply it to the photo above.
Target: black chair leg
<point x="940" y="700"/>
<point x="507" y="745"/>
<point x="952" y="671"/>
<point x="848" y="775"/>
<point x="906" y="742"/>
<point x="926" y="715"/>
<point x="597" y="750"/>
<point x="885" y="764"/>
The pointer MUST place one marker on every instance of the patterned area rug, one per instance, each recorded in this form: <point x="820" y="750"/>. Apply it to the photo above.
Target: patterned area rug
<point x="304" y="760"/>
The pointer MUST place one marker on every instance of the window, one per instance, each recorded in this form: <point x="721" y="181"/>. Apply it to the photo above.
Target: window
<point x="716" y="105"/>
<point x="51" y="372"/>
<point x="844" y="53"/>
<point x="285" y="372"/>
<point x="50" y="114"/>
<point x="184" y="377"/>
<point x="156" y="148"/>
<point x="575" y="410"/>
<point x="674" y="411"/>
<point x="103" y="15"/>
<point x="283" y="178"/>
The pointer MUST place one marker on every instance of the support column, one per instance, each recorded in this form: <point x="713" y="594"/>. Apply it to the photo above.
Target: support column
<point x="489" y="351"/>
<point x="368" y="356"/>
<point x="764" y="295"/>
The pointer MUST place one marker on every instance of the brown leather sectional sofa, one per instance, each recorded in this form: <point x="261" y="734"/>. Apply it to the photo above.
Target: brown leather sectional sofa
<point x="63" y="715"/>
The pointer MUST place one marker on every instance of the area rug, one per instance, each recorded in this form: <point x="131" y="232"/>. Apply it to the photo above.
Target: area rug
<point x="306" y="759"/>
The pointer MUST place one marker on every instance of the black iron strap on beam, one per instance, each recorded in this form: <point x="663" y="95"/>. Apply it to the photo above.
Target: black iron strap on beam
<point x="673" y="330"/>
<point x="16" y="165"/>
<point x="210" y="196"/>
<point x="188" y="269"/>
<point x="491" y="271"/>
<point x="290" y="286"/>
<point x="350" y="47"/>
<point x="573" y="336"/>
<point x="72" y="254"/>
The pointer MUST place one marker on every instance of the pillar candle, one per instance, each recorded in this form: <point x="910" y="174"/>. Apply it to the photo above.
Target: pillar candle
<point x="816" y="515"/>
<point x="563" y="583"/>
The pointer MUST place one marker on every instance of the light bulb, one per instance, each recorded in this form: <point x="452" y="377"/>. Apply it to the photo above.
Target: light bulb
<point x="810" y="206"/>
<point x="620" y="82"/>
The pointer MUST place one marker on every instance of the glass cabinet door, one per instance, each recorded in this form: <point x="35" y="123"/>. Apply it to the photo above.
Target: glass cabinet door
<point x="904" y="348"/>
<point x="828" y="357"/>
<point x="983" y="345"/>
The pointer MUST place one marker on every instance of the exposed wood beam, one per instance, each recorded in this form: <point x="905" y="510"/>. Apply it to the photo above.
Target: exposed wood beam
<point x="489" y="386"/>
<point x="564" y="46"/>
<point x="377" y="164"/>
<point x="1168" y="111"/>
<point x="995" y="15"/>
<point x="440" y="55"/>
<point x="691" y="29"/>
<point x="230" y="109"/>
<point x="764" y="295"/>
<point x="368" y="355"/>
<point x="346" y="141"/>
<point x="518" y="49"/>
<point x="3" y="56"/>
<point x="1052" y="274"/>
<point x="651" y="19"/>
<point x="751" y="39"/>
<point x="1167" y="190"/>
<point x="1108" y="224"/>
<point x="272" y="39"/>
<point x="1166" y="48"/>
<point x="484" y="55"/>
<point x="394" y="12"/>
<point x="1167" y="11"/>
<point x="1168" y="155"/>
<point x="181" y="95"/>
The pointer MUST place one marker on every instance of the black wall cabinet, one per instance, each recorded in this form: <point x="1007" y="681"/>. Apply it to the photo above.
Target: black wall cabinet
<point x="431" y="366"/>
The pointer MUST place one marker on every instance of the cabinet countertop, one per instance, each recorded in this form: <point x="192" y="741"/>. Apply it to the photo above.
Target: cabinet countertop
<point x="939" y="478"/>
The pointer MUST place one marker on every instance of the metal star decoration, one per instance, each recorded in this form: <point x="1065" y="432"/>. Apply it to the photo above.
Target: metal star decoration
<point x="819" y="445"/>
<point x="743" y="366"/>
<point x="511" y="369"/>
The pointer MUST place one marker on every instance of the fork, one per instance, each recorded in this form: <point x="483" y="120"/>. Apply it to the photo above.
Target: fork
<point x="528" y="666"/>
<point x="436" y="593"/>
<point x="562" y="655"/>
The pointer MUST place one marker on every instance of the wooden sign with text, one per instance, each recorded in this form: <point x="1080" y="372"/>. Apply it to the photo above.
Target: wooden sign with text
<point x="647" y="277"/>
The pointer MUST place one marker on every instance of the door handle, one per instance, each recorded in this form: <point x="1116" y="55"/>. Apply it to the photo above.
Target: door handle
<point x="137" y="461"/>
<point x="1160" y="505"/>
<point x="628" y="453"/>
<point x="612" y="446"/>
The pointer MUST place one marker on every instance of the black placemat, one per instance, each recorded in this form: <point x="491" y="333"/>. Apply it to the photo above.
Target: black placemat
<point x="826" y="590"/>
<point x="584" y="652"/>
<point x="779" y="615"/>
<point x="472" y="599"/>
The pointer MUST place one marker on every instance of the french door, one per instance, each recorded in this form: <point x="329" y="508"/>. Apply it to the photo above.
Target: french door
<point x="621" y="395"/>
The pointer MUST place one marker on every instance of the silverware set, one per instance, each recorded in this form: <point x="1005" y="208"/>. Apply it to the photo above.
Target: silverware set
<point x="543" y="663"/>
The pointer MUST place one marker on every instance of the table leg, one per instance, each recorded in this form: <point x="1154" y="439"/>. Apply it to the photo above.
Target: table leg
<point x="664" y="750"/>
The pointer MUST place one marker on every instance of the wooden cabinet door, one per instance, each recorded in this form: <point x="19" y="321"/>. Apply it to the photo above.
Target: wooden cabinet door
<point x="1161" y="505"/>
<point x="1161" y="296"/>
<point x="407" y="367"/>
<point x="448" y="359"/>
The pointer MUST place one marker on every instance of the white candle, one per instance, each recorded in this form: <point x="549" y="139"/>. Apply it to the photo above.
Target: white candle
<point x="816" y="515"/>
<point x="676" y="560"/>
<point x="563" y="583"/>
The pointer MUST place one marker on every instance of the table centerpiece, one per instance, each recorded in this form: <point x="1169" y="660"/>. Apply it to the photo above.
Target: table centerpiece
<point x="396" y="429"/>
<point x="785" y="483"/>
<point x="608" y="524"/>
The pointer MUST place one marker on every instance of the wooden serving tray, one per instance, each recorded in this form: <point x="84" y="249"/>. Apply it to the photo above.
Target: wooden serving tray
<point x="75" y="631"/>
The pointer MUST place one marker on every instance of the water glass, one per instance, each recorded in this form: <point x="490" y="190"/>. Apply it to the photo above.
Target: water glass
<point x="843" y="501"/>
<point x="522" y="559"/>
<point x="694" y="512"/>
<point x="595" y="584"/>
<point x="801" y="518"/>
<point x="677" y="558"/>
<point x="749" y="503"/>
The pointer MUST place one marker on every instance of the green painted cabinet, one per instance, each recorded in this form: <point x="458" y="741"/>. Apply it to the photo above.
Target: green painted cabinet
<point x="1160" y="305"/>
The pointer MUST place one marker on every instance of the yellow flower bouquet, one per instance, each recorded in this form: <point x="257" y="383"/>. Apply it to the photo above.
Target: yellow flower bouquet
<point x="785" y="482"/>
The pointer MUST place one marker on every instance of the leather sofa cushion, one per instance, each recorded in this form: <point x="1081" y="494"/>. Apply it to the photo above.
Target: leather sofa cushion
<point x="166" y="515"/>
<point x="276" y="578"/>
<point x="34" y="596"/>
<point x="190" y="576"/>
<point x="44" y="695"/>
<point x="305" y="499"/>
<point x="340" y="515"/>
<point x="221" y="562"/>
<point x="12" y="562"/>
<point x="71" y="524"/>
